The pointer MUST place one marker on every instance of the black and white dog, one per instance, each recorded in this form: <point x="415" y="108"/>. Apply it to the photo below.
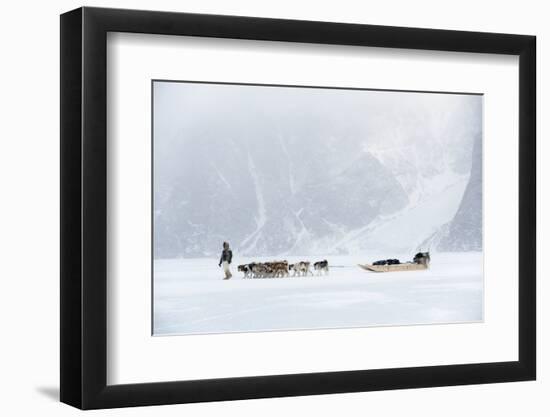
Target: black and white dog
<point x="321" y="266"/>
<point x="246" y="269"/>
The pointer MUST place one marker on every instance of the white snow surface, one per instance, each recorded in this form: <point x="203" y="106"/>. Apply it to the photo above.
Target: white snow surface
<point x="190" y="296"/>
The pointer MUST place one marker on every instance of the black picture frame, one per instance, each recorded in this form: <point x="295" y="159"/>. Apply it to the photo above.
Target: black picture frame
<point x="84" y="207"/>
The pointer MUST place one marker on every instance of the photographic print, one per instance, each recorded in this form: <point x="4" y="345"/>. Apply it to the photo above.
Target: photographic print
<point x="281" y="208"/>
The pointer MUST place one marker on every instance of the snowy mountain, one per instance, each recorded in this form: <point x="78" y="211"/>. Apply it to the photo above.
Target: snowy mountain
<point x="465" y="231"/>
<point x="283" y="172"/>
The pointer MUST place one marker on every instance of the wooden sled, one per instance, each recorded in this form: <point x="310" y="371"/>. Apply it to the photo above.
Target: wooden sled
<point x="409" y="266"/>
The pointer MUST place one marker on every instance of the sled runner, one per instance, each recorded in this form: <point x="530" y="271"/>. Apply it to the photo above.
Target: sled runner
<point x="409" y="266"/>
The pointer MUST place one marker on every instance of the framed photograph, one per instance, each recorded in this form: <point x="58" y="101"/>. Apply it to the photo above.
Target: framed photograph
<point x="257" y="208"/>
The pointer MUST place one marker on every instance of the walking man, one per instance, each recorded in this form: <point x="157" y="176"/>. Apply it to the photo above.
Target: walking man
<point x="225" y="259"/>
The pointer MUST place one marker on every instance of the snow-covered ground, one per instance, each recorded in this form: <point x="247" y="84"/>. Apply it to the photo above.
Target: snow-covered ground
<point x="190" y="296"/>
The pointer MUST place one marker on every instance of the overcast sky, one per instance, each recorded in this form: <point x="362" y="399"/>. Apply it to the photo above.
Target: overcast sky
<point x="370" y="120"/>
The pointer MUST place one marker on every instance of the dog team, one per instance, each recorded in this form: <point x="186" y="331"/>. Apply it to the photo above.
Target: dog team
<point x="282" y="269"/>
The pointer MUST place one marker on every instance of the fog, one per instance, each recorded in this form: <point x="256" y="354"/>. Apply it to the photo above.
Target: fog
<point x="283" y="170"/>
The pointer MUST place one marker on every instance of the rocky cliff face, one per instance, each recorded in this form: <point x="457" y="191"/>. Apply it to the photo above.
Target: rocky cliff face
<point x="465" y="231"/>
<point x="267" y="203"/>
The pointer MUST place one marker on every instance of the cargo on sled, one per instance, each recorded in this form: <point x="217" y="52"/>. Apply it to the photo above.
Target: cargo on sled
<point x="421" y="261"/>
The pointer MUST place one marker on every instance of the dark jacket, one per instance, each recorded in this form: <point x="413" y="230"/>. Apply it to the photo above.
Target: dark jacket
<point x="227" y="255"/>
